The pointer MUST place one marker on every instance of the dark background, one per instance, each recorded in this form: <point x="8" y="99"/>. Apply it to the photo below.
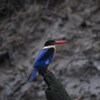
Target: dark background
<point x="24" y="27"/>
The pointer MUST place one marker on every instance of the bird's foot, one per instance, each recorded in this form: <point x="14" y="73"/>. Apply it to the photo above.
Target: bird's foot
<point x="48" y="70"/>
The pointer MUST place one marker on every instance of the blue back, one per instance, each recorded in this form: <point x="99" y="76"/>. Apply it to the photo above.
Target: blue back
<point x="40" y="61"/>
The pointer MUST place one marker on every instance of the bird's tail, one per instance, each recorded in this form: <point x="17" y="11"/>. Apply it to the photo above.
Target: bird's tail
<point x="32" y="75"/>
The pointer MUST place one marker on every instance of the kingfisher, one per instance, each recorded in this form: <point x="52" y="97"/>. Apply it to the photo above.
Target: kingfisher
<point x="44" y="58"/>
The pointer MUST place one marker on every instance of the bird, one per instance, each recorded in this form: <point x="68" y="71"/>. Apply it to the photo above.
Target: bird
<point x="44" y="58"/>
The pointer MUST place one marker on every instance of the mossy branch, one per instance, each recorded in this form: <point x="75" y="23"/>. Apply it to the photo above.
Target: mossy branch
<point x="55" y="90"/>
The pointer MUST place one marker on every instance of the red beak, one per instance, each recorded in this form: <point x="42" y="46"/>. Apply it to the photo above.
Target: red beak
<point x="60" y="42"/>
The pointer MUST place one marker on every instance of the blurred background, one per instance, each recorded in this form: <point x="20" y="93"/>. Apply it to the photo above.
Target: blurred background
<point x="25" y="25"/>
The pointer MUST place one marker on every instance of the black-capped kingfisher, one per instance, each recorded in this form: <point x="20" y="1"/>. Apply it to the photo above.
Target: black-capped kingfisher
<point x="44" y="57"/>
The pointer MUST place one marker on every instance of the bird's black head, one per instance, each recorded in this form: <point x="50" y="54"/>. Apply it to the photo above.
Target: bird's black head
<point x="55" y="42"/>
<point x="49" y="42"/>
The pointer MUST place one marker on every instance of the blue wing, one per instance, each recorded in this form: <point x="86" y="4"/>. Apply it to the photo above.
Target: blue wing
<point x="44" y="58"/>
<point x="41" y="54"/>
